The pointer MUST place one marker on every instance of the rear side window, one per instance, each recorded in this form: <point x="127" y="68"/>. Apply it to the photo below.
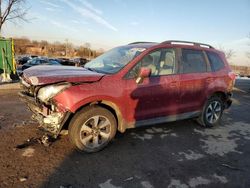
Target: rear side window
<point x="215" y="61"/>
<point x="193" y="61"/>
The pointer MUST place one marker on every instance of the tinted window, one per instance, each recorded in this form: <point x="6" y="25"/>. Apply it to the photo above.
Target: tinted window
<point x="193" y="61"/>
<point x="43" y="62"/>
<point x="215" y="61"/>
<point x="161" y="62"/>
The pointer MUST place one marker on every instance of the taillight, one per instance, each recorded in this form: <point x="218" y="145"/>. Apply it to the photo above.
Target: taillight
<point x="232" y="75"/>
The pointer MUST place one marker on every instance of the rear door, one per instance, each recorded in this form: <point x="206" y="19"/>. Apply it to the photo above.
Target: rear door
<point x="194" y="78"/>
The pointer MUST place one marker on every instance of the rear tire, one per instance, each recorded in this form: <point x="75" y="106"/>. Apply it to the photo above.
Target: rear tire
<point x="92" y="128"/>
<point x="212" y="112"/>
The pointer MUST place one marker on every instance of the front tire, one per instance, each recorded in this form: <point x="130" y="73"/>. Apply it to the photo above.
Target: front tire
<point x="92" y="128"/>
<point x="212" y="112"/>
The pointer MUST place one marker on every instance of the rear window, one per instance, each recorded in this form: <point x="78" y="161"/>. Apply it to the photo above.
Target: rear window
<point x="193" y="61"/>
<point x="215" y="61"/>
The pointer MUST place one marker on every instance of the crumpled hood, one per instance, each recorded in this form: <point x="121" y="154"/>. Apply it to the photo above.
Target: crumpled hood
<point x="40" y="75"/>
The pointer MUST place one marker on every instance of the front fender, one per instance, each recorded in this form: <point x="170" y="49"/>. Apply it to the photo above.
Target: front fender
<point x="75" y="101"/>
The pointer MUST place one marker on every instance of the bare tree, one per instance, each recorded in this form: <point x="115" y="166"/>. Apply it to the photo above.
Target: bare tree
<point x="87" y="45"/>
<point x="229" y="53"/>
<point x="12" y="10"/>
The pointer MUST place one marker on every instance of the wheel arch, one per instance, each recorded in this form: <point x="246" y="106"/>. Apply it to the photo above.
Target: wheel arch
<point x="111" y="106"/>
<point x="220" y="94"/>
<point x="116" y="111"/>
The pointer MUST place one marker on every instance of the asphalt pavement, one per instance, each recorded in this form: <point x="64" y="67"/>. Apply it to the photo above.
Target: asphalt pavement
<point x="180" y="154"/>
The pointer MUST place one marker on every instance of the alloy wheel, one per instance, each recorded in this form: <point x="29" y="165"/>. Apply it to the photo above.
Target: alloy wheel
<point x="213" y="112"/>
<point x="95" y="131"/>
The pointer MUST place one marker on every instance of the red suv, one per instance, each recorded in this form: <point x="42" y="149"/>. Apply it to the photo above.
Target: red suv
<point x="135" y="85"/>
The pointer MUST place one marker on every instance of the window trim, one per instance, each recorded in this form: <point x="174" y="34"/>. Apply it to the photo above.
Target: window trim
<point x="176" y="69"/>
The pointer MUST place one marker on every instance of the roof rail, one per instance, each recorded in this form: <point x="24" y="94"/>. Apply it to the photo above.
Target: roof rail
<point x="187" y="42"/>
<point x="140" y="42"/>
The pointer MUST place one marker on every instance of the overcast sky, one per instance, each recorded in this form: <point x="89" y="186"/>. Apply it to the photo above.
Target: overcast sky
<point x="108" y="23"/>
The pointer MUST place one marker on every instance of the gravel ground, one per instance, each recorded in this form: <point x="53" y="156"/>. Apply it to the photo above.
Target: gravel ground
<point x="179" y="154"/>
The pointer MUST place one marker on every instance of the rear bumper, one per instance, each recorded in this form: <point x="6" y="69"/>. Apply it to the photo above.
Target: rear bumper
<point x="51" y="122"/>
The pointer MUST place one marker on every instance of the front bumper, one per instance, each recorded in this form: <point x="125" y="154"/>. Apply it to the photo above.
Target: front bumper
<point x="50" y="121"/>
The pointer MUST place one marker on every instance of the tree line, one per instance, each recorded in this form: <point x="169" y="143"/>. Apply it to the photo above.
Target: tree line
<point x="53" y="49"/>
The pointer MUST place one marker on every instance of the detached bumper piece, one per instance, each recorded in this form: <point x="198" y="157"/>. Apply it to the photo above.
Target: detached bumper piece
<point x="50" y="121"/>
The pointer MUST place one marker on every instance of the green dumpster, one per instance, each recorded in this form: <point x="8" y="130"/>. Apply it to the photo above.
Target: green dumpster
<point x="7" y="60"/>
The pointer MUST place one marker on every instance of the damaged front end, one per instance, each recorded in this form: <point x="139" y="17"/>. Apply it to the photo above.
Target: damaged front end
<point x="39" y="100"/>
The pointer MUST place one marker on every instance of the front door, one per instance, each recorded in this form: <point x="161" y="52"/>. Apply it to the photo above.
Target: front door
<point x="158" y="95"/>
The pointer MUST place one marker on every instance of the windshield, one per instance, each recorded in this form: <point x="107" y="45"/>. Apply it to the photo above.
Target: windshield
<point x="114" y="60"/>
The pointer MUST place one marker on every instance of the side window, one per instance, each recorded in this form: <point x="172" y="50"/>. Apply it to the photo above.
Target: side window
<point x="133" y="73"/>
<point x="161" y="62"/>
<point x="151" y="61"/>
<point x="43" y="62"/>
<point x="39" y="62"/>
<point x="167" y="63"/>
<point x="193" y="61"/>
<point x="215" y="61"/>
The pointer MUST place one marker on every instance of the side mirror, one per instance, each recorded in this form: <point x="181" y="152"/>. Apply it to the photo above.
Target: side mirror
<point x="143" y="73"/>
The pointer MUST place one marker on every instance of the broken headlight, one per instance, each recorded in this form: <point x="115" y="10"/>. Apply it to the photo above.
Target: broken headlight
<point x="48" y="92"/>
